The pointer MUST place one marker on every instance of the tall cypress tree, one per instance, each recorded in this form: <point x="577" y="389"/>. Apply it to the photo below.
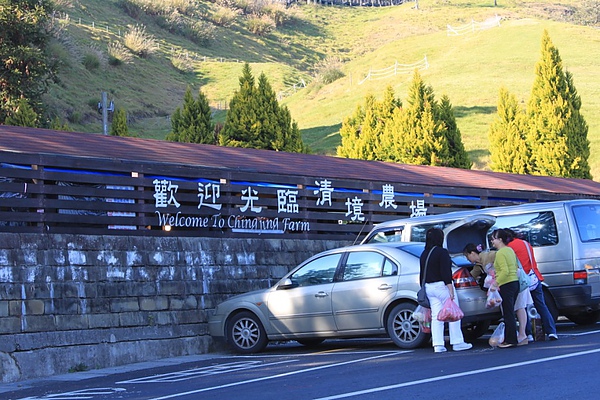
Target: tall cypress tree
<point x="557" y="132"/>
<point x="578" y="143"/>
<point x="423" y="140"/>
<point x="256" y="120"/>
<point x="363" y="132"/>
<point x="119" y="123"/>
<point x="23" y="115"/>
<point x="458" y="155"/>
<point x="241" y="127"/>
<point x="351" y="130"/>
<point x="192" y="123"/>
<point x="508" y="147"/>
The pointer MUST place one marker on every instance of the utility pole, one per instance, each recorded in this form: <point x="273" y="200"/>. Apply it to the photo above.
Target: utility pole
<point x="104" y="114"/>
<point x="104" y="108"/>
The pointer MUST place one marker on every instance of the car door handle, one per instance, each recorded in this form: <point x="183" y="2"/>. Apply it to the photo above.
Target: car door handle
<point x="384" y="287"/>
<point x="321" y="294"/>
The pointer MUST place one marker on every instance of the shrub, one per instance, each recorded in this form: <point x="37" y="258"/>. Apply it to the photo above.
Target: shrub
<point x="139" y="42"/>
<point x="157" y="7"/>
<point x="329" y="70"/>
<point x="277" y="12"/>
<point x="118" y="54"/>
<point x="260" y="25"/>
<point x="91" y="61"/>
<point x="182" y="63"/>
<point x="224" y="16"/>
<point x="200" y="32"/>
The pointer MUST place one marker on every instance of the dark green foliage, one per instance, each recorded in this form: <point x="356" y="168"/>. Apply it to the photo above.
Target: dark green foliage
<point x="557" y="132"/>
<point x="551" y="137"/>
<point x="192" y="123"/>
<point x="423" y="133"/>
<point x="363" y="132"/>
<point x="23" y="115"/>
<point x="119" y="123"/>
<point x="508" y="146"/>
<point x="26" y="68"/>
<point x="458" y="155"/>
<point x="58" y="125"/>
<point x="256" y="120"/>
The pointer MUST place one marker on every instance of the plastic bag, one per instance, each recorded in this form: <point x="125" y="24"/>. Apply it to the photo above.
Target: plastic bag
<point x="493" y="299"/>
<point x="423" y="315"/>
<point x="498" y="335"/>
<point x="490" y="279"/>
<point x="450" y="312"/>
<point x="420" y="314"/>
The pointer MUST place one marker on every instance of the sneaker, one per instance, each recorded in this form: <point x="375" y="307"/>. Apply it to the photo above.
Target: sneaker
<point x="553" y="336"/>
<point x="461" y="346"/>
<point x="439" y="349"/>
<point x="530" y="338"/>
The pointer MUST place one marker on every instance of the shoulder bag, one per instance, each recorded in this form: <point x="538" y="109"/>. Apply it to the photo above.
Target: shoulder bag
<point x="533" y="278"/>
<point x="422" y="298"/>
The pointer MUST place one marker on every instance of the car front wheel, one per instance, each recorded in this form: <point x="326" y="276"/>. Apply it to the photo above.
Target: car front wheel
<point x="245" y="333"/>
<point x="404" y="330"/>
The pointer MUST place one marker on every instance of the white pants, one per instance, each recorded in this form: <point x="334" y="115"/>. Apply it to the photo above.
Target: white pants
<point x="437" y="292"/>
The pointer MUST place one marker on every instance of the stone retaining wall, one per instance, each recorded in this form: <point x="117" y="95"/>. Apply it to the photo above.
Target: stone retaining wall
<point x="70" y="302"/>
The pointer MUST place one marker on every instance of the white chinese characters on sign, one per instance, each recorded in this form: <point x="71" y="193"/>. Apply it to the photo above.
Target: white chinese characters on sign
<point x="164" y="193"/>
<point x="355" y="209"/>
<point x="387" y="197"/>
<point x="418" y="210"/>
<point x="208" y="194"/>
<point x="287" y="201"/>
<point x="249" y="196"/>
<point x="325" y="191"/>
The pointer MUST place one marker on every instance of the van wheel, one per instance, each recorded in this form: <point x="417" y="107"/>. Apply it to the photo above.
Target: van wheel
<point x="475" y="330"/>
<point x="403" y="329"/>
<point x="585" y="318"/>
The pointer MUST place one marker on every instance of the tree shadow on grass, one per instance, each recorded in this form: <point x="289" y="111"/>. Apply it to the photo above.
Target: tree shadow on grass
<point x="461" y="111"/>
<point x="480" y="159"/>
<point x="322" y="139"/>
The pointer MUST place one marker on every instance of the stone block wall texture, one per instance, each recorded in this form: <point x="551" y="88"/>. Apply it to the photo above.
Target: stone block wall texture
<point x="71" y="302"/>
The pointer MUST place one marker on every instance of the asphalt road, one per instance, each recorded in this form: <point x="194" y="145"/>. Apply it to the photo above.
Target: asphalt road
<point x="347" y="369"/>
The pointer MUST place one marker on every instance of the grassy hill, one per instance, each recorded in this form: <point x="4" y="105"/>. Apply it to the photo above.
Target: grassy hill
<point x="469" y="68"/>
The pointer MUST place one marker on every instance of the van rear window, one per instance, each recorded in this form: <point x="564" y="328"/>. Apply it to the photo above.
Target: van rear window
<point x="587" y="219"/>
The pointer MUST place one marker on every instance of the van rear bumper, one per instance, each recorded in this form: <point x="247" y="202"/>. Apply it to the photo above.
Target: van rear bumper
<point x="575" y="297"/>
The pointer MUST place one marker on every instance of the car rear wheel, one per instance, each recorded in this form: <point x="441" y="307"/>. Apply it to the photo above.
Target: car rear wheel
<point x="475" y="330"/>
<point x="246" y="334"/>
<point x="403" y="329"/>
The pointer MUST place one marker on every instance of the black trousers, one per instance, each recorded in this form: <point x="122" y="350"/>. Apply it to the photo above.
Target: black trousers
<point x="509" y="293"/>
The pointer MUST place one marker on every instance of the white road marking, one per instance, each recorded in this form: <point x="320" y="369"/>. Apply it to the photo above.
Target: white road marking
<point x="203" y="371"/>
<point x="83" y="394"/>
<point x="265" y="378"/>
<point x="457" y="375"/>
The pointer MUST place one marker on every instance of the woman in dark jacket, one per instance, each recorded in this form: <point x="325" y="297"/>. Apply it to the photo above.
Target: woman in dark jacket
<point x="439" y="287"/>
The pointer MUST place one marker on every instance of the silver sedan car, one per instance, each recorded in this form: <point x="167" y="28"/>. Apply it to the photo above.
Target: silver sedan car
<point x="355" y="291"/>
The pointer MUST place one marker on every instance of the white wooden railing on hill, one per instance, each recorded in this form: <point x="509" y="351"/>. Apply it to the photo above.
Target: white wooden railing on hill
<point x="395" y="69"/>
<point x="473" y="26"/>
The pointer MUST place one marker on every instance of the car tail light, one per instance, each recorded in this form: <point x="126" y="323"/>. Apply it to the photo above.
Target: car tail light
<point x="463" y="279"/>
<point x="580" y="277"/>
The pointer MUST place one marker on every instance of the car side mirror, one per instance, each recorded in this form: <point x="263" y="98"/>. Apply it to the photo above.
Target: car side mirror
<point x="286" y="284"/>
